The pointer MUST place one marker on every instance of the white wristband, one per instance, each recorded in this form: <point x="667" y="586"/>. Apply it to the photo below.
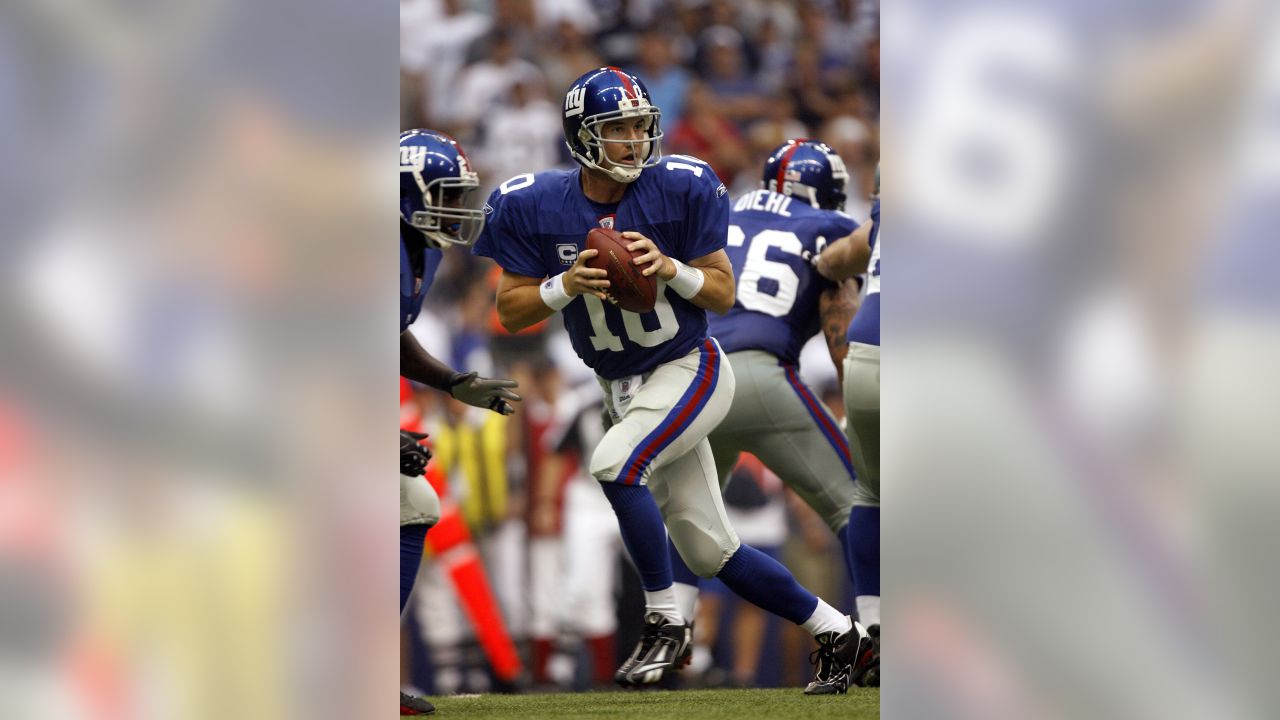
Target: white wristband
<point x="688" y="280"/>
<point x="553" y="293"/>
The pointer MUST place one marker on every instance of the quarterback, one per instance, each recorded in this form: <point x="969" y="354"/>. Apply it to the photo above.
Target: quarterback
<point x="666" y="381"/>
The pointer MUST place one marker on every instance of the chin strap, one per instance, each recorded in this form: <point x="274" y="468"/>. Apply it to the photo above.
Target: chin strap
<point x="624" y="174"/>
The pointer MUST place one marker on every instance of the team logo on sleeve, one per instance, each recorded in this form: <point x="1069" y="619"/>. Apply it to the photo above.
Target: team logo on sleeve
<point x="720" y="191"/>
<point x="488" y="209"/>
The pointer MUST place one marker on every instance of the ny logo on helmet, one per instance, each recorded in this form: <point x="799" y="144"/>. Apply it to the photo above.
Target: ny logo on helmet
<point x="411" y="158"/>
<point x="574" y="101"/>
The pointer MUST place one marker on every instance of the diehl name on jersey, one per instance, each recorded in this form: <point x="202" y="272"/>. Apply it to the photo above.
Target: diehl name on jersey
<point x="417" y="272"/>
<point x="537" y="224"/>
<point x="772" y="238"/>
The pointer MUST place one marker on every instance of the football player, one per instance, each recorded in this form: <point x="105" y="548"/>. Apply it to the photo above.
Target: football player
<point x="666" y="380"/>
<point x="862" y="425"/>
<point x="435" y="181"/>
<point x="775" y="236"/>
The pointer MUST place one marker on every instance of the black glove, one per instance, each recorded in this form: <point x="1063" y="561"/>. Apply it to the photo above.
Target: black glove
<point x="413" y="456"/>
<point x="480" y="392"/>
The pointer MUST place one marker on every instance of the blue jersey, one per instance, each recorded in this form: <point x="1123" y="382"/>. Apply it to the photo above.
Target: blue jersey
<point x="537" y="224"/>
<point x="865" y="327"/>
<point x="771" y="238"/>
<point x="417" y="272"/>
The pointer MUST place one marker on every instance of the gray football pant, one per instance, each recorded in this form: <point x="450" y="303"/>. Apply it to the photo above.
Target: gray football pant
<point x="862" y="413"/>
<point x="419" y="504"/>
<point x="659" y="438"/>
<point x="777" y="418"/>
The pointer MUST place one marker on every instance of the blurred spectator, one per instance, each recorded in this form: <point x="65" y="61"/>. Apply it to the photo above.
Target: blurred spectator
<point x="819" y="28"/>
<point x="813" y="98"/>
<point x="519" y="20"/>
<point x="852" y="140"/>
<point x="618" y="38"/>
<point x="706" y="133"/>
<point x="778" y="126"/>
<point x="667" y="82"/>
<point x="728" y="75"/>
<point x="579" y="13"/>
<point x="520" y="136"/>
<point x="568" y="56"/>
<point x="774" y="48"/>
<point x="867" y="84"/>
<point x="434" y="38"/>
<point x="486" y="83"/>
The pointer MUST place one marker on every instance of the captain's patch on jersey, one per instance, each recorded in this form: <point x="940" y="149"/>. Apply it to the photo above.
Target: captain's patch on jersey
<point x="567" y="252"/>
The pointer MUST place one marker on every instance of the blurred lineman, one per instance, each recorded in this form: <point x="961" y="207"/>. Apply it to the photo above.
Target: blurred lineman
<point x="666" y="381"/>
<point x="435" y="180"/>
<point x="862" y="413"/>
<point x="776" y="235"/>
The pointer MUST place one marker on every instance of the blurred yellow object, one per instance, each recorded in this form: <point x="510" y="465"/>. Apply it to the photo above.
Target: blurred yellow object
<point x="193" y="604"/>
<point x="478" y="452"/>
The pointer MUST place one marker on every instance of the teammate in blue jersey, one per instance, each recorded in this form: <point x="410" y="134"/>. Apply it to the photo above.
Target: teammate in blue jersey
<point x="435" y="180"/>
<point x="666" y="381"/>
<point x="775" y="235"/>
<point x="861" y="386"/>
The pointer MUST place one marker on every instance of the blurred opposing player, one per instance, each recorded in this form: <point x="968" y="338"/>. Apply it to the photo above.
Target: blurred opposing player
<point x="666" y="381"/>
<point x="775" y="235"/>
<point x="435" y="180"/>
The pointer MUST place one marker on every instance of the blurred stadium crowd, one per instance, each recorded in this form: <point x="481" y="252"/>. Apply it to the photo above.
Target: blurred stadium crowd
<point x="526" y="535"/>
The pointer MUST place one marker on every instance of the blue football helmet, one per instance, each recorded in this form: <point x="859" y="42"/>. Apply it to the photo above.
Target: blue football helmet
<point x="809" y="170"/>
<point x="602" y="96"/>
<point x="436" y="182"/>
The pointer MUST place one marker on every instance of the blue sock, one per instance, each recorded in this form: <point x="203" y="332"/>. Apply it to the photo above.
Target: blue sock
<point x="411" y="539"/>
<point x="679" y="571"/>
<point x="846" y="543"/>
<point x="864" y="549"/>
<point x="765" y="583"/>
<point x="643" y="532"/>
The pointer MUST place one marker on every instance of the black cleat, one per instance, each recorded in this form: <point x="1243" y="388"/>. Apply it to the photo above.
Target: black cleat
<point x="864" y="670"/>
<point x="686" y="654"/>
<point x="662" y="647"/>
<point x="410" y="705"/>
<point x="841" y="661"/>
<point x="831" y="676"/>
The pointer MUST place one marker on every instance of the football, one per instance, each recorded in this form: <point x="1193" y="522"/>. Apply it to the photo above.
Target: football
<point x="627" y="285"/>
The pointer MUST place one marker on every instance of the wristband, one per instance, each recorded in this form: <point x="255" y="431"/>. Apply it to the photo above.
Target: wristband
<point x="688" y="280"/>
<point x="553" y="293"/>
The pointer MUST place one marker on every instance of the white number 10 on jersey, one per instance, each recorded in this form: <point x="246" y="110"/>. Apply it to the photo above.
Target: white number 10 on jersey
<point x="604" y="339"/>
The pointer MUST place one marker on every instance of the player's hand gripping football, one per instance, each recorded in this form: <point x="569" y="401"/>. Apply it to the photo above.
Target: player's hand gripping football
<point x="653" y="257"/>
<point x="480" y="392"/>
<point x="413" y="456"/>
<point x="580" y="279"/>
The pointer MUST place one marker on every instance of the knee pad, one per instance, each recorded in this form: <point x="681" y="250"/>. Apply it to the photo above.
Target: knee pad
<point x="607" y="461"/>
<point x="419" y="504"/>
<point x="703" y="552"/>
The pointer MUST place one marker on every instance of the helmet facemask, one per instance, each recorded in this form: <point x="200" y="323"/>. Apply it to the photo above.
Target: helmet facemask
<point x="648" y="151"/>
<point x="445" y="218"/>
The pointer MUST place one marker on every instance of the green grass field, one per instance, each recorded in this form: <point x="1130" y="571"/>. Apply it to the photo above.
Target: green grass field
<point x="859" y="704"/>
